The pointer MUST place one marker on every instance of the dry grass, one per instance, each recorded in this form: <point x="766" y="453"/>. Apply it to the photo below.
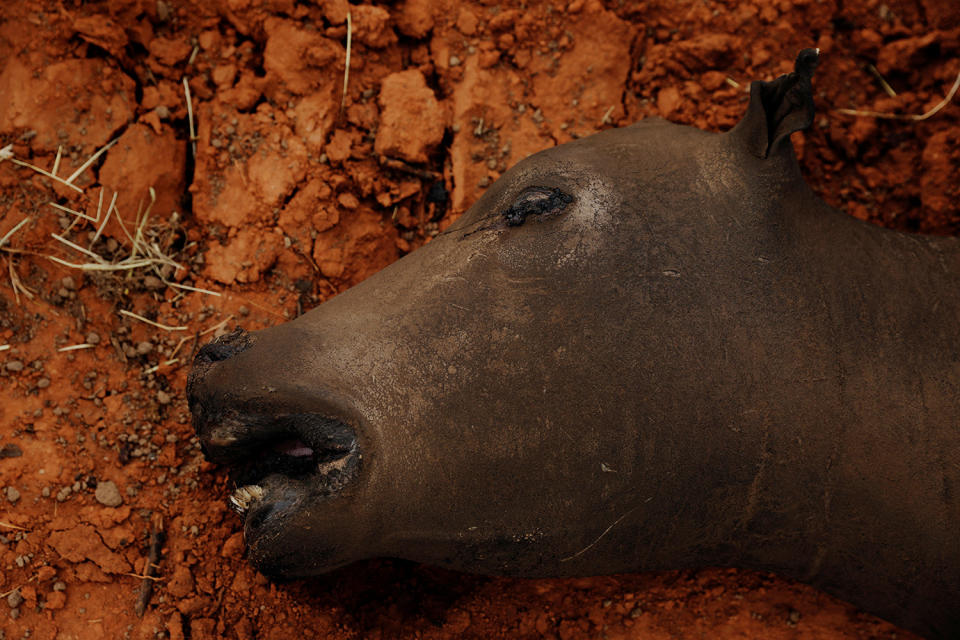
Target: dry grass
<point x="346" y="66"/>
<point x="887" y="89"/>
<point x="863" y="113"/>
<point x="158" y="325"/>
<point x="12" y="231"/>
<point x="193" y="131"/>
<point x="144" y="254"/>
<point x="144" y="244"/>
<point x="76" y="347"/>
<point x="606" y="116"/>
<point x="76" y="174"/>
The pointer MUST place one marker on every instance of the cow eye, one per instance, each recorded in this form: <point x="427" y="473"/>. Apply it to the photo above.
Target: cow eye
<point x="536" y="201"/>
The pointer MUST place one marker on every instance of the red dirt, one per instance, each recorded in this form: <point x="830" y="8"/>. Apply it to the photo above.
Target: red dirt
<point x="289" y="201"/>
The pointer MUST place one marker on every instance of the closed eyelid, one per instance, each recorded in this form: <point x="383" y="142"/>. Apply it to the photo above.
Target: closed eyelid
<point x="536" y="201"/>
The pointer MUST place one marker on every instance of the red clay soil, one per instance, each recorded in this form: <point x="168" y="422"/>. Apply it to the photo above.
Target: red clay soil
<point x="285" y="199"/>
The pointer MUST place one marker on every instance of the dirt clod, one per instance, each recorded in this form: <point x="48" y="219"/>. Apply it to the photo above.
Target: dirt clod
<point x="412" y="122"/>
<point x="181" y="583"/>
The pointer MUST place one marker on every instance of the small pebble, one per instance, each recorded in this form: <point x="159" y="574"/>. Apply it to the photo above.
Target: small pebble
<point x="69" y="283"/>
<point x="59" y="585"/>
<point x="93" y="337"/>
<point x="454" y="61"/>
<point x="163" y="397"/>
<point x="12" y="495"/>
<point x="14" y="599"/>
<point x="143" y="348"/>
<point x="14" y="365"/>
<point x="14" y="613"/>
<point x="108" y="495"/>
<point x="43" y="383"/>
<point x="10" y="451"/>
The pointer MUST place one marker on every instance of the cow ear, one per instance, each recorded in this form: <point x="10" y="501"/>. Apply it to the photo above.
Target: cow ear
<point x="779" y="108"/>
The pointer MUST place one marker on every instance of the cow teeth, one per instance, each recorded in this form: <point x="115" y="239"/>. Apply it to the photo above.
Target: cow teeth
<point x="241" y="498"/>
<point x="237" y="505"/>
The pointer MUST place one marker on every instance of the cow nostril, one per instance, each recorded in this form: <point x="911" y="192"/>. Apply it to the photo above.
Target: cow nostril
<point x="215" y="352"/>
<point x="224" y="347"/>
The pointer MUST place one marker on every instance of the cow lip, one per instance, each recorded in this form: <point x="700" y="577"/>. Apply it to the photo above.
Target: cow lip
<point x="228" y="435"/>
<point x="270" y="501"/>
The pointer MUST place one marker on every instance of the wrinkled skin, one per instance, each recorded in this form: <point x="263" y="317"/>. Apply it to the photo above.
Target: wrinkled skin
<point x="693" y="361"/>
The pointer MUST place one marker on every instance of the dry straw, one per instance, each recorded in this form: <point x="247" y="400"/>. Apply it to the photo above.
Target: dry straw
<point x="900" y="116"/>
<point x="144" y="252"/>
<point x="346" y="66"/>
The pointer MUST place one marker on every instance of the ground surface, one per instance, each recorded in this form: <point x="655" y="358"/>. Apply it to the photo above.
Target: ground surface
<point x="287" y="200"/>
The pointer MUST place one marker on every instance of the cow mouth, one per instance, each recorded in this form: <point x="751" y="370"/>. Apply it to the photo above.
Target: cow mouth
<point x="321" y="472"/>
<point x="278" y="462"/>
